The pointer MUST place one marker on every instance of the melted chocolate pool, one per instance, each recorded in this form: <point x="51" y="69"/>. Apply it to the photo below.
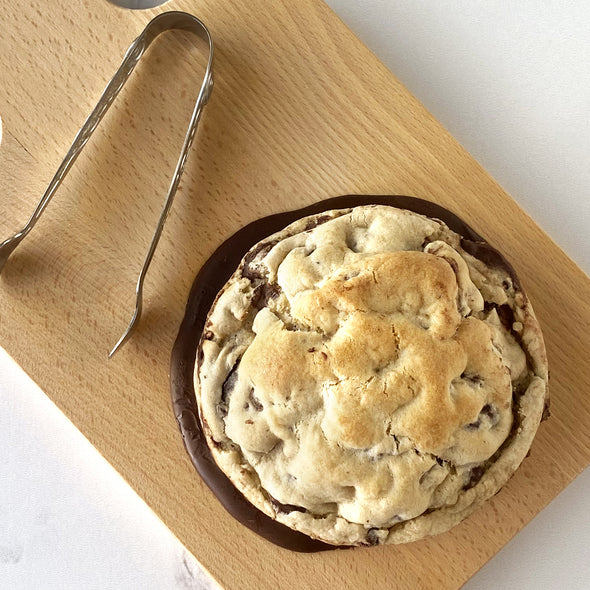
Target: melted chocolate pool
<point x="209" y="281"/>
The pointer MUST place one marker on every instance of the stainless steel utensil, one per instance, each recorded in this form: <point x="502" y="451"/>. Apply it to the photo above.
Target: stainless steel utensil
<point x="163" y="22"/>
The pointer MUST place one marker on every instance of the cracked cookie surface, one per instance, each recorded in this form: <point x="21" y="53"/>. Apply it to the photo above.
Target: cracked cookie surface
<point x="364" y="379"/>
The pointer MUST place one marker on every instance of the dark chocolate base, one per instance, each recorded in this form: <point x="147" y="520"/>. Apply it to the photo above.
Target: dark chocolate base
<point x="209" y="281"/>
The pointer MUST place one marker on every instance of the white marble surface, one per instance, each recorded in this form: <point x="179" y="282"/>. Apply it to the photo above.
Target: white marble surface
<point x="514" y="87"/>
<point x="68" y="518"/>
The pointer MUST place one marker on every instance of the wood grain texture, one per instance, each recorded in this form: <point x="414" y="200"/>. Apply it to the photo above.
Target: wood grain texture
<point x="301" y="111"/>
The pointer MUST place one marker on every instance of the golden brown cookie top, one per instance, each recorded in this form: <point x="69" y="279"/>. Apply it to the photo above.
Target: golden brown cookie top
<point x="359" y="371"/>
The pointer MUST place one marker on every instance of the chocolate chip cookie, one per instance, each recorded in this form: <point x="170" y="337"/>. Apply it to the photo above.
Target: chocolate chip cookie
<point x="369" y="376"/>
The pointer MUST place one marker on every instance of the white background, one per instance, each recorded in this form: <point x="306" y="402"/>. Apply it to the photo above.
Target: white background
<point x="513" y="86"/>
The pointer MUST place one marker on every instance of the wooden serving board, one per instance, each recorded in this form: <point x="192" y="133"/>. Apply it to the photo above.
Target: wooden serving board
<point x="301" y="111"/>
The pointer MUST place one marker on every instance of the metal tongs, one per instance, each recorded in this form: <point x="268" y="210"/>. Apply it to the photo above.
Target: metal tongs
<point x="159" y="24"/>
